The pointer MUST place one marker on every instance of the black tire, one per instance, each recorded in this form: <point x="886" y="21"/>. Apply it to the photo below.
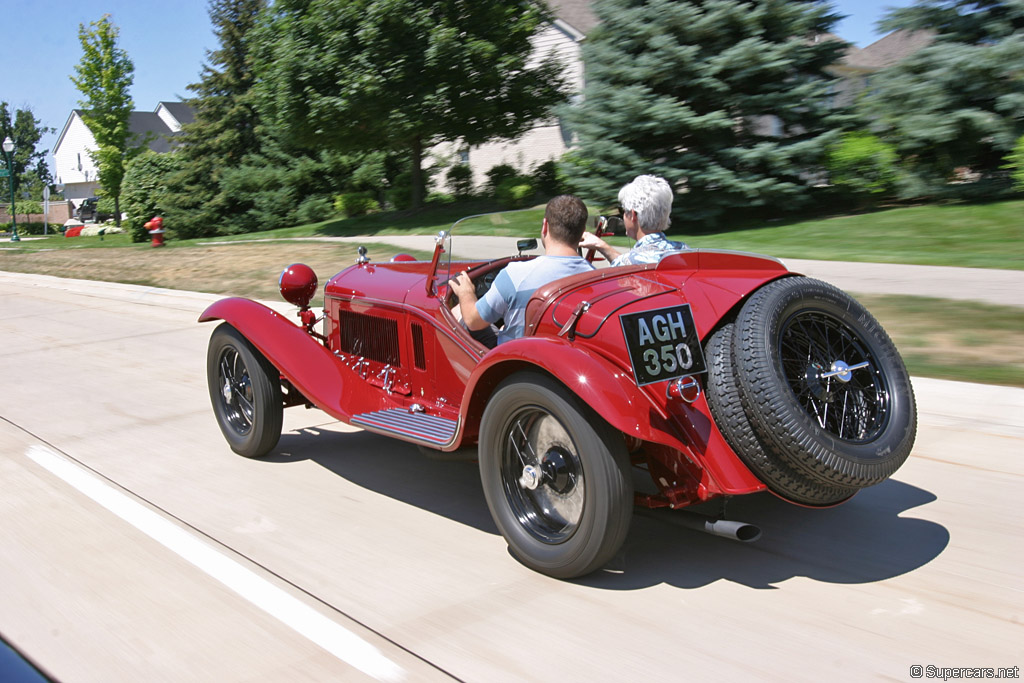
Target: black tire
<point x="723" y="396"/>
<point x="576" y="516"/>
<point x="823" y="384"/>
<point x="245" y="390"/>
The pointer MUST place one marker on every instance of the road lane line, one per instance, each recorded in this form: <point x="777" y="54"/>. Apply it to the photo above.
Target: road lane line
<point x="329" y="635"/>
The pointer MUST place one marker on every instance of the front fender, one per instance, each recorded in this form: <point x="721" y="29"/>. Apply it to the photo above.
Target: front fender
<point x="300" y="358"/>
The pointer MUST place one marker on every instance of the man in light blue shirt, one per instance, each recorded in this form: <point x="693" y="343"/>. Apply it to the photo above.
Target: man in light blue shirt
<point x="646" y="204"/>
<point x="565" y="220"/>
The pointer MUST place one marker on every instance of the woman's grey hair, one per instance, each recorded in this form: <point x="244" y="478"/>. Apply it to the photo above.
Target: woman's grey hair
<point x="651" y="198"/>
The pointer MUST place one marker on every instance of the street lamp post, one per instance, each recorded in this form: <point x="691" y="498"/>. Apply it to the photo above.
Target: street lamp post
<point x="8" y="148"/>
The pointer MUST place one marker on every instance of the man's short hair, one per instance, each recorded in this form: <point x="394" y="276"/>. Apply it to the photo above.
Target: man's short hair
<point x="651" y="198"/>
<point x="567" y="219"/>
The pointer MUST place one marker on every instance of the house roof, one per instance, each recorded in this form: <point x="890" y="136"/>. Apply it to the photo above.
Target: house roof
<point x="576" y="13"/>
<point x="179" y="110"/>
<point x="888" y="50"/>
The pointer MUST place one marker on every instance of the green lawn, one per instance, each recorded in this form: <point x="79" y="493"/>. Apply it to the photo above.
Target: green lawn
<point x="973" y="235"/>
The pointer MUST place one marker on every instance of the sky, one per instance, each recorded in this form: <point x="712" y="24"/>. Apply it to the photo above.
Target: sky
<point x="168" y="43"/>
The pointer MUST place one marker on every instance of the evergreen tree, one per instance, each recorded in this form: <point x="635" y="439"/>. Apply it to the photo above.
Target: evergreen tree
<point x="728" y="100"/>
<point x="374" y="75"/>
<point x="958" y="102"/>
<point x="31" y="172"/>
<point x="104" y="76"/>
<point x="225" y="126"/>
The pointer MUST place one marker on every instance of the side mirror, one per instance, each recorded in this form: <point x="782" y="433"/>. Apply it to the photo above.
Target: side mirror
<point x="526" y="245"/>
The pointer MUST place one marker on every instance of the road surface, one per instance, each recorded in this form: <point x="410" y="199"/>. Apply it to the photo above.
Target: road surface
<point x="137" y="546"/>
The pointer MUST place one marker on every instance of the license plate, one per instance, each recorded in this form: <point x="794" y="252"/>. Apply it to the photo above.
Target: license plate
<point x="662" y="344"/>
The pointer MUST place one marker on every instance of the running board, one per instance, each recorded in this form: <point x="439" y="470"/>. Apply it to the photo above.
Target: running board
<point x="399" y="422"/>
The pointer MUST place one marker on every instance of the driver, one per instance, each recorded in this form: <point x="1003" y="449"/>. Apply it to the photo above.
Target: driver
<point x="646" y="204"/>
<point x="565" y="220"/>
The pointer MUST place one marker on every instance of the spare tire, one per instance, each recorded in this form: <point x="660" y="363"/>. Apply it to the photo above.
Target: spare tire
<point x="823" y="384"/>
<point x="723" y="396"/>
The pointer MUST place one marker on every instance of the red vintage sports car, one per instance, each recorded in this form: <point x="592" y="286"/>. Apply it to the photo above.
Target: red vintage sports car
<point x="710" y="374"/>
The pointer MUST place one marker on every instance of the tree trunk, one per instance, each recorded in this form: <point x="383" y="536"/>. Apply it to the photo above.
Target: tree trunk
<point x="417" y="173"/>
<point x="117" y="210"/>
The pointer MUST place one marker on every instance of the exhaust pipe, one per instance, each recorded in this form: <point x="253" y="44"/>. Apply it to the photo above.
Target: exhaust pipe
<point x="726" y="528"/>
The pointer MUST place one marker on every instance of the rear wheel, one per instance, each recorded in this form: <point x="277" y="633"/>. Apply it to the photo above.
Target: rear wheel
<point x="556" y="477"/>
<point x="723" y="396"/>
<point x="245" y="390"/>
<point x="823" y="384"/>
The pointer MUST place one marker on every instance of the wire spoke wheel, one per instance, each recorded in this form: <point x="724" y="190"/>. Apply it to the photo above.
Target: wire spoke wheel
<point x="236" y="391"/>
<point x="834" y="376"/>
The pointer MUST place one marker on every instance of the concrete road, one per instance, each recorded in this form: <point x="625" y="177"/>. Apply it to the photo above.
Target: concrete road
<point x="137" y="546"/>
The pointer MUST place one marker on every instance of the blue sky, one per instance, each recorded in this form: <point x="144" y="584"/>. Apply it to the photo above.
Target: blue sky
<point x="168" y="41"/>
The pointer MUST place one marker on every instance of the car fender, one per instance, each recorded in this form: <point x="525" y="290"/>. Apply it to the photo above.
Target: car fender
<point x="609" y="390"/>
<point x="301" y="359"/>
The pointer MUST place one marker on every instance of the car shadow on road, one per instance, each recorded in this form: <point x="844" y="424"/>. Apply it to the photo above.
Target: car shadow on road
<point x="870" y="538"/>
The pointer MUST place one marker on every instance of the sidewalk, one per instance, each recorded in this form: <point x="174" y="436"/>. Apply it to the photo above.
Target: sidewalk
<point x="1002" y="287"/>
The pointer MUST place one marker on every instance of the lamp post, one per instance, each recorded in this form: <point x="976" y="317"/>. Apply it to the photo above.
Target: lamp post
<point x="8" y="148"/>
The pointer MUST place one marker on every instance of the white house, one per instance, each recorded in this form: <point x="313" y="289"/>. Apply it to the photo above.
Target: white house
<point x="549" y="139"/>
<point x="72" y="159"/>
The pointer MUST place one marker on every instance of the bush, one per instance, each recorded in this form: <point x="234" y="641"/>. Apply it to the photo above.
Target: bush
<point x="142" y="190"/>
<point x="440" y="198"/>
<point x="355" y="204"/>
<point x="497" y="175"/>
<point x="515" y="192"/>
<point x="30" y="228"/>
<point x="25" y="206"/>
<point x="460" y="180"/>
<point x="1015" y="164"/>
<point x="105" y="205"/>
<point x="315" y="209"/>
<point x="864" y="165"/>
<point x="548" y="179"/>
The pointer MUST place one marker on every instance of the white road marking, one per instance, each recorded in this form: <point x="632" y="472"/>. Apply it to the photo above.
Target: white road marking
<point x="306" y="621"/>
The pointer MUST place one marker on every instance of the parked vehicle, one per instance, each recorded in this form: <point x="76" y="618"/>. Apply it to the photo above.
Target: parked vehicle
<point x="88" y="211"/>
<point x="711" y="374"/>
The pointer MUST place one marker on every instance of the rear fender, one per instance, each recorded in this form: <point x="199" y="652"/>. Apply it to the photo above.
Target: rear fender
<point x="614" y="395"/>
<point x="300" y="358"/>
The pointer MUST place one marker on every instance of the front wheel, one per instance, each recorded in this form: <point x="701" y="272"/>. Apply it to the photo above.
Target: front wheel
<point x="556" y="477"/>
<point x="245" y="390"/>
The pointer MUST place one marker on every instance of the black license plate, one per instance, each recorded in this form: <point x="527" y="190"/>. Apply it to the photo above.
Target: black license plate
<point x="663" y="344"/>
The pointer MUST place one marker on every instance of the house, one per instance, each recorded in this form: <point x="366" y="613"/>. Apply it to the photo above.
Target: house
<point x="73" y="163"/>
<point x="574" y="19"/>
<point x="550" y="139"/>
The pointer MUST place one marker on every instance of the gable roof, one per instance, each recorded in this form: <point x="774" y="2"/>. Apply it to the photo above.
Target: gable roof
<point x="575" y="13"/>
<point x="179" y="110"/>
<point x="143" y="123"/>
<point x="888" y="50"/>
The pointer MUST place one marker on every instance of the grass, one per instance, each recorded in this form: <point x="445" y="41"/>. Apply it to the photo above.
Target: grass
<point x="959" y="340"/>
<point x="972" y="235"/>
<point x="938" y="338"/>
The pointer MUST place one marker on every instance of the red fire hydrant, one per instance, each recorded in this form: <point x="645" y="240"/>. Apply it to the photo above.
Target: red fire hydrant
<point x="156" y="231"/>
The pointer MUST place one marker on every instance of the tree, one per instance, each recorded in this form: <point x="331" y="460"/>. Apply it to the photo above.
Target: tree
<point x="225" y="126"/>
<point x="144" y="189"/>
<point x="31" y="172"/>
<point x="374" y="75"/>
<point x="958" y="102"/>
<point x="727" y="100"/>
<point x="104" y="76"/>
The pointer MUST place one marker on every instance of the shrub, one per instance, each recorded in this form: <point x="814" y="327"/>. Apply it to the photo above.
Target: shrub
<point x="460" y="180"/>
<point x="515" y="192"/>
<point x="105" y="205"/>
<point x="355" y="204"/>
<point x="1015" y="164"/>
<point x="440" y="198"/>
<point x="30" y="228"/>
<point x="142" y="191"/>
<point x="548" y="179"/>
<point x="315" y="209"/>
<point x="863" y="164"/>
<point x="497" y="175"/>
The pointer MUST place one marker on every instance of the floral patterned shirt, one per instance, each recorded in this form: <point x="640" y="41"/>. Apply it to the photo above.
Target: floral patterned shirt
<point x="650" y="249"/>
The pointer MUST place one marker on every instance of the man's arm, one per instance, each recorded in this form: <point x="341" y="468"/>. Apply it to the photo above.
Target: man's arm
<point x="592" y="241"/>
<point x="463" y="288"/>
